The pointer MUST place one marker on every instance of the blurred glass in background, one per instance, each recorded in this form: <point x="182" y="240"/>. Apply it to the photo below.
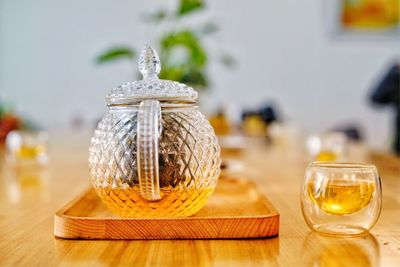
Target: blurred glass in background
<point x="327" y="147"/>
<point x="27" y="148"/>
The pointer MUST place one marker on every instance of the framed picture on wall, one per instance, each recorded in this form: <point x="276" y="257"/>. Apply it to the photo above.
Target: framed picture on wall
<point x="364" y="18"/>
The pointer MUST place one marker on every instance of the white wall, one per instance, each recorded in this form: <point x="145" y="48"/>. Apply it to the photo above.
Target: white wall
<point x="47" y="51"/>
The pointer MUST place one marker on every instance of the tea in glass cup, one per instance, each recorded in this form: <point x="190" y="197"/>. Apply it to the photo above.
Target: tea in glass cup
<point x="341" y="198"/>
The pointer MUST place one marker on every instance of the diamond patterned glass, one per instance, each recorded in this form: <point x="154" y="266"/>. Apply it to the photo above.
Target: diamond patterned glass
<point x="188" y="163"/>
<point x="154" y="154"/>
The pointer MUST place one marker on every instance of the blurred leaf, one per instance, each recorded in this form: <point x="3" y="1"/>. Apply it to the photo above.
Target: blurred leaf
<point x="196" y="78"/>
<point x="183" y="57"/>
<point x="193" y="77"/>
<point x="187" y="40"/>
<point x="228" y="60"/>
<point x="188" y="6"/>
<point x="156" y="17"/>
<point x="116" y="53"/>
<point x="191" y="70"/>
<point x="172" y="73"/>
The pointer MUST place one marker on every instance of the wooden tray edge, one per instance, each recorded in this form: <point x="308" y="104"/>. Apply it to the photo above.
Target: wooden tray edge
<point x="66" y="226"/>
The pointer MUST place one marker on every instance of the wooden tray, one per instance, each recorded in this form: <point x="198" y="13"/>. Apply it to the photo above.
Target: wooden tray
<point x="235" y="210"/>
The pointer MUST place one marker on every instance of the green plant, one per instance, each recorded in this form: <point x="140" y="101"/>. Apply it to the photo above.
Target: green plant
<point x="189" y="69"/>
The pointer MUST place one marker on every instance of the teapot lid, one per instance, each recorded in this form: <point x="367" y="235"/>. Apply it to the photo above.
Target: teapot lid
<point x="150" y="87"/>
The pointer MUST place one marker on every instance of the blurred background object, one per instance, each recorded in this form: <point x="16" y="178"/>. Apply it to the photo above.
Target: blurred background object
<point x="371" y="19"/>
<point x="280" y="50"/>
<point x="11" y="120"/>
<point x="220" y="123"/>
<point x="232" y="144"/>
<point x="255" y="122"/>
<point x="284" y="134"/>
<point x="331" y="146"/>
<point x="370" y="14"/>
<point x="8" y="122"/>
<point x="387" y="92"/>
<point x="26" y="148"/>
<point x="353" y="131"/>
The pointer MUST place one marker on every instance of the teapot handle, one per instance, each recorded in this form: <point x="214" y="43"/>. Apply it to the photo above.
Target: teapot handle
<point x="148" y="133"/>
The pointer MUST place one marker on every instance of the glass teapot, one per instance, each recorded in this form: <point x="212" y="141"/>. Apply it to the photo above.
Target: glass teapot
<point x="154" y="154"/>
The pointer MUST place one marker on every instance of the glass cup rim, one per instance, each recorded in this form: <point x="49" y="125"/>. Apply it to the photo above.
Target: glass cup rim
<point x="341" y="165"/>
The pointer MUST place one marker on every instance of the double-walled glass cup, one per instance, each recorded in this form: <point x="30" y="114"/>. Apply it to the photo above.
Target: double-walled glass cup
<point x="341" y="198"/>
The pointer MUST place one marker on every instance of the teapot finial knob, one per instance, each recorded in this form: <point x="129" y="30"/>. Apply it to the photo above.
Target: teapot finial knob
<point x="149" y="62"/>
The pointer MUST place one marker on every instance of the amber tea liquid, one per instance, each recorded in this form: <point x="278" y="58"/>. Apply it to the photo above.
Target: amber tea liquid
<point x="342" y="197"/>
<point x="326" y="156"/>
<point x="175" y="202"/>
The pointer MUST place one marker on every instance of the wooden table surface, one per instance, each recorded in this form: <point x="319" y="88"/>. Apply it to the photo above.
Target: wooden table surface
<point x="28" y="201"/>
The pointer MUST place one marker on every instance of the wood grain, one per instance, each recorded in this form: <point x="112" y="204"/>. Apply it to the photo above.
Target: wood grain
<point x="28" y="203"/>
<point x="235" y="210"/>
